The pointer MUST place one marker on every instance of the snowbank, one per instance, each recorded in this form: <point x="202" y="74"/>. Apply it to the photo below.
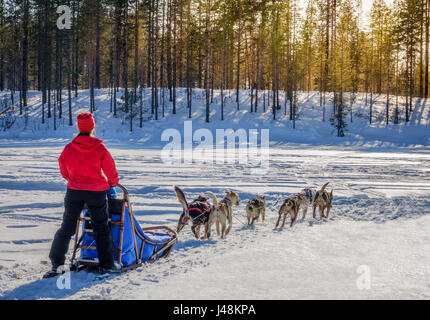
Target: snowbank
<point x="310" y="129"/>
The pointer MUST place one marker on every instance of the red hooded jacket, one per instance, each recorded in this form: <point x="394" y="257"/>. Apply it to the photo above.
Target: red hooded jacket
<point x="82" y="162"/>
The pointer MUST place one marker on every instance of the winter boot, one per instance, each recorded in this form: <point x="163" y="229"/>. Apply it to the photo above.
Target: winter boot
<point x="116" y="268"/>
<point x="52" y="273"/>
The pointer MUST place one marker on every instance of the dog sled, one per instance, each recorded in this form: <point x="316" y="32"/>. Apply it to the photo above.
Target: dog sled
<point x="132" y="245"/>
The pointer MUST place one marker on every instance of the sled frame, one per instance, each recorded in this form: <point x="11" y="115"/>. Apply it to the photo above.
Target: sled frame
<point x="166" y="245"/>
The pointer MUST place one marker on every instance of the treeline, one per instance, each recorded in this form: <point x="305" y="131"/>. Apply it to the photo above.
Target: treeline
<point x="259" y="45"/>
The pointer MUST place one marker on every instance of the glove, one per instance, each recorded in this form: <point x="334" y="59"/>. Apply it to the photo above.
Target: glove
<point x="111" y="193"/>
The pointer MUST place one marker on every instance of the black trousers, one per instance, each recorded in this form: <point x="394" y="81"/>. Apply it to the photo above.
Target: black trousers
<point x="74" y="203"/>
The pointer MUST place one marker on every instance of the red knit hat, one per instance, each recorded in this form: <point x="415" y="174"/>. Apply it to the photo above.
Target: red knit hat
<point x="86" y="122"/>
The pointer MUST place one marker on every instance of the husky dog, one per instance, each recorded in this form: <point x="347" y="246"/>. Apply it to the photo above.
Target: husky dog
<point x="323" y="200"/>
<point x="307" y="198"/>
<point x="199" y="211"/>
<point x="255" y="208"/>
<point x="223" y="213"/>
<point x="290" y="206"/>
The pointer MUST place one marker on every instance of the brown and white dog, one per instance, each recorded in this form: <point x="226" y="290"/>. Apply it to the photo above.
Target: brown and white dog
<point x="222" y="213"/>
<point x="307" y="198"/>
<point x="198" y="211"/>
<point x="255" y="208"/>
<point x="323" y="200"/>
<point x="290" y="206"/>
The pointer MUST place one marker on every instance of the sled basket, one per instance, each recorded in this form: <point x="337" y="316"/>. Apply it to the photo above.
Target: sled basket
<point x="132" y="245"/>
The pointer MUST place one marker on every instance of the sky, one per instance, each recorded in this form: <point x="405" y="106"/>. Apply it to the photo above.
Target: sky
<point x="365" y="4"/>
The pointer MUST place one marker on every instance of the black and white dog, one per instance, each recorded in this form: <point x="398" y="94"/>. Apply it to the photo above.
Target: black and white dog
<point x="198" y="211"/>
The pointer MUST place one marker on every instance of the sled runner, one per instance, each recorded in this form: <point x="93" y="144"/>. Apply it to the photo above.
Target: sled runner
<point x="132" y="245"/>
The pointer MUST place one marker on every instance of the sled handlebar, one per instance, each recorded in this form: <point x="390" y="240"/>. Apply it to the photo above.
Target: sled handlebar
<point x="124" y="190"/>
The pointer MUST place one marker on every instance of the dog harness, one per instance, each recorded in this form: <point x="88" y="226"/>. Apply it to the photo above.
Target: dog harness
<point x="256" y="203"/>
<point x="197" y="211"/>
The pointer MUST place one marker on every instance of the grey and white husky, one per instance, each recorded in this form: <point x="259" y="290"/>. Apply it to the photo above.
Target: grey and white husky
<point x="307" y="198"/>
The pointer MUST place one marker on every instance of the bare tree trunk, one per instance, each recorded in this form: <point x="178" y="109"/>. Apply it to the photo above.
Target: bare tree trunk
<point x="371" y="84"/>
<point x="98" y="35"/>
<point x="149" y="46"/>
<point x="189" y="50"/>
<point x="407" y="86"/>
<point x="251" y="78"/>
<point x="207" y="58"/>
<point x="69" y="71"/>
<point x="259" y="74"/>
<point x="136" y="49"/>
<point x="396" y="118"/>
<point x="421" y="70"/>
<point x="125" y="64"/>
<point x="2" y="69"/>
<point x="388" y="94"/>
<point x="427" y="31"/>
<point x="117" y="52"/>
<point x="155" y="67"/>
<point x="181" y="46"/>
<point x="223" y="78"/>
<point x="25" y="54"/>
<point x="238" y="53"/>
<point x="169" y="49"/>
<point x="162" y="59"/>
<point x="174" y="55"/>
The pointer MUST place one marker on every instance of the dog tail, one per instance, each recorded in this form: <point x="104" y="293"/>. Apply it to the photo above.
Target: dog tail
<point x="181" y="198"/>
<point x="324" y="186"/>
<point x="215" y="201"/>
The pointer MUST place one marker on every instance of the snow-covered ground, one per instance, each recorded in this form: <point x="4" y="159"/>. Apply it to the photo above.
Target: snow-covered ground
<point x="310" y="129"/>
<point x="379" y="225"/>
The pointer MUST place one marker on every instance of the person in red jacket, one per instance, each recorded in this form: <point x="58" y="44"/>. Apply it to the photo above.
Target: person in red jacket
<point x="81" y="164"/>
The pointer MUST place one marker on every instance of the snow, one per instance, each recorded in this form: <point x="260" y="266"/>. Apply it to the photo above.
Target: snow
<point x="309" y="130"/>
<point x="380" y="218"/>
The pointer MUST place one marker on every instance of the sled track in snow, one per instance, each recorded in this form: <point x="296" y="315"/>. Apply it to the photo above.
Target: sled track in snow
<point x="372" y="189"/>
